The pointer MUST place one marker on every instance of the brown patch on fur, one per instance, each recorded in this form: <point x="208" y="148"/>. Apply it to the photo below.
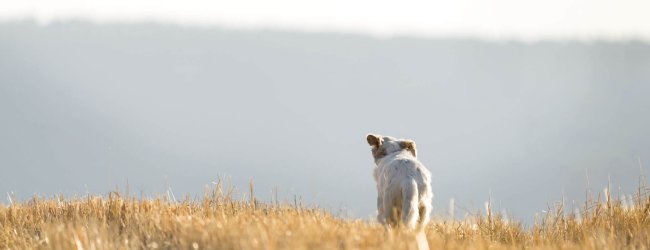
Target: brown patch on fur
<point x="409" y="145"/>
<point x="374" y="140"/>
<point x="378" y="153"/>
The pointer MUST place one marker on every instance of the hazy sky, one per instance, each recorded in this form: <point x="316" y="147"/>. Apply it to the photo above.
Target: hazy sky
<point x="512" y="19"/>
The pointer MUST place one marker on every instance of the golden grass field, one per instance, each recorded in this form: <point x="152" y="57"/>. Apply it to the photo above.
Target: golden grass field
<point x="220" y="221"/>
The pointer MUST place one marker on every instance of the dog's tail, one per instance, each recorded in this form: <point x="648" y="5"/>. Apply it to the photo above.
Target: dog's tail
<point x="410" y="210"/>
<point x="421" y="239"/>
<point x="410" y="213"/>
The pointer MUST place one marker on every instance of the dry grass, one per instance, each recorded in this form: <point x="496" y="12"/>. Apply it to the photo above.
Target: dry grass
<point x="219" y="221"/>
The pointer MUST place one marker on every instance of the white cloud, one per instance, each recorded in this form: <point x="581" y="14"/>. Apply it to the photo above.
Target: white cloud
<point x="527" y="20"/>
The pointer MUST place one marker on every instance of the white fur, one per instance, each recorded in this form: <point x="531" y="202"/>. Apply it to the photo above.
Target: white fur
<point x="403" y="183"/>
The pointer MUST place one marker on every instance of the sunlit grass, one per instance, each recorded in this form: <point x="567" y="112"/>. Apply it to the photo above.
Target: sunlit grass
<point x="221" y="221"/>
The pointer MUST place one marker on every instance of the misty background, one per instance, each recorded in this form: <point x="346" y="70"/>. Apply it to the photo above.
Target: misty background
<point x="84" y="108"/>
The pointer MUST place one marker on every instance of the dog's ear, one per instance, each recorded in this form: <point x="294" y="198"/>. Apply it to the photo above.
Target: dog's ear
<point x="374" y="140"/>
<point x="410" y="146"/>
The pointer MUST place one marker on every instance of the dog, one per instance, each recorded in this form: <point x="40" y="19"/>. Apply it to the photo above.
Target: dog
<point x="403" y="183"/>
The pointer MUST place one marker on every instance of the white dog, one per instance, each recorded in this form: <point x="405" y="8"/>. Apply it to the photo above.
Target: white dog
<point x="403" y="183"/>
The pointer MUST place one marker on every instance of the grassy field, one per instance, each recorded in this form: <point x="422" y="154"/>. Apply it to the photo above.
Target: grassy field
<point x="221" y="221"/>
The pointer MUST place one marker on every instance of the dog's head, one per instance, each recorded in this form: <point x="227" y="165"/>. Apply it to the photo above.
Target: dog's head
<point x="385" y="145"/>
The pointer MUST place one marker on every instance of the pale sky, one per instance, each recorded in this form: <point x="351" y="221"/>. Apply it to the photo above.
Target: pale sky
<point x="494" y="19"/>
